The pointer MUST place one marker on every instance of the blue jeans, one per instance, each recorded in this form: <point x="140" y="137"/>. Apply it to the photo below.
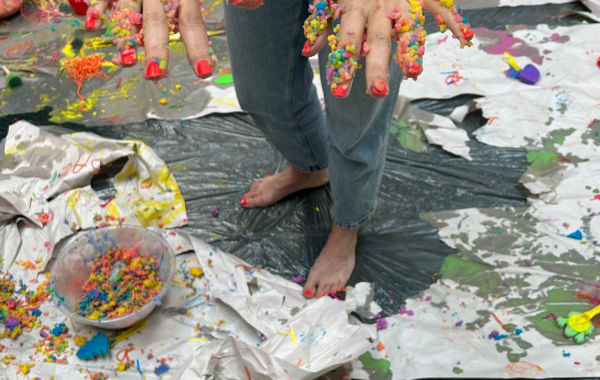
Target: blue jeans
<point x="273" y="82"/>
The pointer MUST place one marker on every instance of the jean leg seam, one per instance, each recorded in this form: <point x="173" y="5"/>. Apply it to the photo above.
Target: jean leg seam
<point x="359" y="222"/>
<point x="290" y="91"/>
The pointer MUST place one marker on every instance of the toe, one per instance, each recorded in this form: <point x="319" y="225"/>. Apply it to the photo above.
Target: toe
<point x="324" y="289"/>
<point x="310" y="288"/>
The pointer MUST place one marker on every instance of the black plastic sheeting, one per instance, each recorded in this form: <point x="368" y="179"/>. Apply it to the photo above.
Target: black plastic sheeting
<point x="216" y="158"/>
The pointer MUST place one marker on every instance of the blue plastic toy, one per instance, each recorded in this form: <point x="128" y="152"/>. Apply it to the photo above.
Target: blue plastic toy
<point x="98" y="346"/>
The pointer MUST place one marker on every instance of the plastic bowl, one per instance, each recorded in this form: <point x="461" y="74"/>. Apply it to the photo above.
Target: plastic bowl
<point x="74" y="265"/>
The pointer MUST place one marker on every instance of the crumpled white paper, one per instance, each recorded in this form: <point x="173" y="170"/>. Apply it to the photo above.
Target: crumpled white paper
<point x="45" y="194"/>
<point x="324" y="337"/>
<point x="563" y="55"/>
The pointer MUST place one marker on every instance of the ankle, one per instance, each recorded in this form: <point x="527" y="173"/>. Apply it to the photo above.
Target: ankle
<point x="319" y="178"/>
<point x="344" y="233"/>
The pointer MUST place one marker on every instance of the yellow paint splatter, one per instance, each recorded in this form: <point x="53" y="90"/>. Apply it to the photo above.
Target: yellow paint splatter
<point x="124" y="89"/>
<point x="71" y="110"/>
<point x="45" y="99"/>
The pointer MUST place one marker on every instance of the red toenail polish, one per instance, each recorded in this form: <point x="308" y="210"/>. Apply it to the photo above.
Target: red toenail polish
<point x="90" y="23"/>
<point x="204" y="67"/>
<point x="308" y="293"/>
<point x="243" y="202"/>
<point x="153" y="70"/>
<point x="269" y="174"/>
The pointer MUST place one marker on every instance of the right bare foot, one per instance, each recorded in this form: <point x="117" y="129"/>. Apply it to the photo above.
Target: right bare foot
<point x="270" y="190"/>
<point x="335" y="264"/>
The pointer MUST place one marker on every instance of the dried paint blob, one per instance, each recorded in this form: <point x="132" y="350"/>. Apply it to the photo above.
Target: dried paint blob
<point x="122" y="281"/>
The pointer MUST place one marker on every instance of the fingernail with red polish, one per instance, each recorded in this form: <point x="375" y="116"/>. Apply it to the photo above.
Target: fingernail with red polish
<point x="204" y="67"/>
<point x="308" y="293"/>
<point x="153" y="70"/>
<point x="90" y="22"/>
<point x="339" y="91"/>
<point x="127" y="58"/>
<point x="378" y="87"/>
<point x="306" y="47"/>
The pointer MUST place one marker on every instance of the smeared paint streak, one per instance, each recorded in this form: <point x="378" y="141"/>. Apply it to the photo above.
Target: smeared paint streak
<point x="124" y="89"/>
<point x="45" y="99"/>
<point x="550" y="120"/>
<point x="524" y="369"/>
<point x="71" y="110"/>
<point x="497" y="42"/>
<point x="542" y="160"/>
<point x="555" y="37"/>
<point x="378" y="369"/>
<point x="408" y="138"/>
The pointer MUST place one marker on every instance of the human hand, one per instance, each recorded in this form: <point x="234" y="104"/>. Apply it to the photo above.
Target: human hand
<point x="9" y="7"/>
<point x="365" y="28"/>
<point x="160" y="20"/>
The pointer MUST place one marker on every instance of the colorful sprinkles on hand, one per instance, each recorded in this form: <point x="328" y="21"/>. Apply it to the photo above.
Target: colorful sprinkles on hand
<point x="120" y="26"/>
<point x="121" y="282"/>
<point x="411" y="47"/>
<point x="462" y="21"/>
<point x="315" y="24"/>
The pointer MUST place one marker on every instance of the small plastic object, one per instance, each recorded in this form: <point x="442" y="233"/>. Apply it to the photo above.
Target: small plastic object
<point x="581" y="323"/>
<point x="127" y="333"/>
<point x="79" y="6"/>
<point x="529" y="75"/>
<point x="98" y="346"/>
<point x="13" y="79"/>
<point x="161" y="369"/>
<point x="578" y="326"/>
<point x="575" y="235"/>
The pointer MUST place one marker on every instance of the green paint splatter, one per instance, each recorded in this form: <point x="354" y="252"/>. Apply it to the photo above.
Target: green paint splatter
<point x="378" y="369"/>
<point x="409" y="138"/>
<point x="542" y="160"/>
<point x="457" y="370"/>
<point x="224" y="79"/>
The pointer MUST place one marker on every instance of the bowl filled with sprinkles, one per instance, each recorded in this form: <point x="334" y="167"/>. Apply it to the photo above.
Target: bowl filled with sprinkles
<point x="112" y="277"/>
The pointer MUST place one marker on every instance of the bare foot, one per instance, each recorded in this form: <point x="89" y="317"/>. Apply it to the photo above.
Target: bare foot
<point x="270" y="190"/>
<point x="335" y="264"/>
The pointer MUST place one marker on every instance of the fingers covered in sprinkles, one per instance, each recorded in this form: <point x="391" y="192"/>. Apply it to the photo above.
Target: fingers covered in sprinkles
<point x="336" y="22"/>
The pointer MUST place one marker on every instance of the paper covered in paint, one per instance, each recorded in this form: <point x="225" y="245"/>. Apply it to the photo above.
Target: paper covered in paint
<point x="45" y="193"/>
<point x="318" y="335"/>
<point x="235" y="313"/>
<point x="562" y="55"/>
